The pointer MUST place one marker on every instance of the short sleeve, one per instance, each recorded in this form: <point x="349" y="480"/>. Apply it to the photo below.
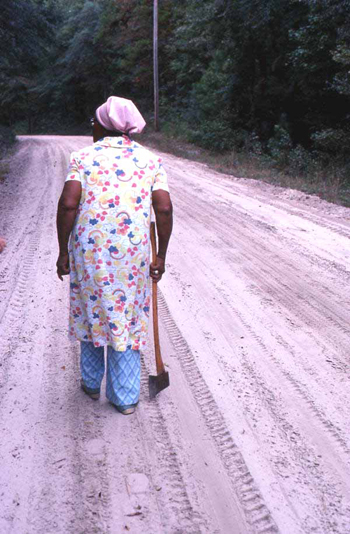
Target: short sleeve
<point x="161" y="179"/>
<point x="74" y="168"/>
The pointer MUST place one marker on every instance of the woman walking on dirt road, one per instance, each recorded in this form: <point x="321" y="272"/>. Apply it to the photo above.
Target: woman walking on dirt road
<point x="103" y="225"/>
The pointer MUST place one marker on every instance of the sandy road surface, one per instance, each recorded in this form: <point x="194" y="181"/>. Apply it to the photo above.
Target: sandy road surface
<point x="253" y="434"/>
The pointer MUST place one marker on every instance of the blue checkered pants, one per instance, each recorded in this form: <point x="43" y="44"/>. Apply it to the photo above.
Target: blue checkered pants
<point x="123" y="373"/>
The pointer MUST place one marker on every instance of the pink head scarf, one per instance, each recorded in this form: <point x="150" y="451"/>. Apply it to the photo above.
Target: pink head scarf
<point x="120" y="114"/>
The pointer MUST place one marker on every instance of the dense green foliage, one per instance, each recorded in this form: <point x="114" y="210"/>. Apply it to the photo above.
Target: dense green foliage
<point x="7" y="139"/>
<point x="271" y="76"/>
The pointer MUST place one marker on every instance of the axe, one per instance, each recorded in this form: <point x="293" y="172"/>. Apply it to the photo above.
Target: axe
<point x="161" y="380"/>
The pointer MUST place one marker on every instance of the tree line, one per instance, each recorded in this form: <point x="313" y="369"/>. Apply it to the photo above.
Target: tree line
<point x="270" y="76"/>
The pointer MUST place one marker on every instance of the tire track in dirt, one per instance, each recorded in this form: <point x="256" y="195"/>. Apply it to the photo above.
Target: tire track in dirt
<point x="301" y="389"/>
<point x="255" y="510"/>
<point x="176" y="500"/>
<point x="15" y="277"/>
<point x="13" y="304"/>
<point x="267" y="262"/>
<point x="273" y="285"/>
<point x="314" y="423"/>
<point x="14" y="273"/>
<point x="252" y="250"/>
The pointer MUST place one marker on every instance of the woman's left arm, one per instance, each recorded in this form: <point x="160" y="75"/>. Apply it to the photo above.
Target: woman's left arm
<point x="67" y="210"/>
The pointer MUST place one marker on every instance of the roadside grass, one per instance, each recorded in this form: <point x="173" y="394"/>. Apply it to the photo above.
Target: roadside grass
<point x="331" y="183"/>
<point x="4" y="170"/>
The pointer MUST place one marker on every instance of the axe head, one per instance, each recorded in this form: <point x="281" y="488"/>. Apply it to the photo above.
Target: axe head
<point x="157" y="383"/>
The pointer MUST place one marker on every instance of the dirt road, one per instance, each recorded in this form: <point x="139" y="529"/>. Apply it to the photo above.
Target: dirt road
<point x="253" y="434"/>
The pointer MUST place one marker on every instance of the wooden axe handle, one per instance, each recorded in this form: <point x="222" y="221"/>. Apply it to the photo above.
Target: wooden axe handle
<point x="159" y="361"/>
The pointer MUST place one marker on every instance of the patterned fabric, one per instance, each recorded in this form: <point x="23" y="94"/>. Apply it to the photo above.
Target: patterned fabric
<point x="92" y="366"/>
<point x="123" y="377"/>
<point x="109" y="245"/>
<point x="123" y="373"/>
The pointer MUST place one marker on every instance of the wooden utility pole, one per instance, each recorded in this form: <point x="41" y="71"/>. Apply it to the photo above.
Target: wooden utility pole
<point x="155" y="65"/>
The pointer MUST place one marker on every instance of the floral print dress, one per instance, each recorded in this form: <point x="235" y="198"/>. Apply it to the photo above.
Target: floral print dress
<point x="109" y="247"/>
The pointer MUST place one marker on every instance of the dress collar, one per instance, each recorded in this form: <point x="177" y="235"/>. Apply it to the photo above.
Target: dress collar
<point x="116" y="142"/>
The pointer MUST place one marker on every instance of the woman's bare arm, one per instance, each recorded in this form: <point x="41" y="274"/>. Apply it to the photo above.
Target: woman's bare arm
<point x="66" y="213"/>
<point x="163" y="210"/>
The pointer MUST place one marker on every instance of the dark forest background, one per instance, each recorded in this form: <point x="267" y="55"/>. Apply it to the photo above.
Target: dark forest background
<point x="267" y="76"/>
